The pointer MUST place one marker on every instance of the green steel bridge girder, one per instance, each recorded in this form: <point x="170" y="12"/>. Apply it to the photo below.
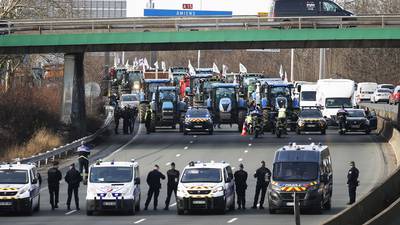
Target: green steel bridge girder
<point x="193" y="40"/>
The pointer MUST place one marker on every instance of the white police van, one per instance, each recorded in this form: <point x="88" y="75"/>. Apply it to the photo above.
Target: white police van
<point x="113" y="186"/>
<point x="19" y="188"/>
<point x="206" y="186"/>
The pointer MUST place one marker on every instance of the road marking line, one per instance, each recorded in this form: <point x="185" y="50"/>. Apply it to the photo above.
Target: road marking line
<point x="232" y="220"/>
<point x="191" y="142"/>
<point x="251" y="139"/>
<point x="246" y="151"/>
<point x="168" y="163"/>
<point x="250" y="145"/>
<point x="258" y="205"/>
<point x="178" y="155"/>
<point x="172" y="205"/>
<point x="195" y="136"/>
<point x="186" y="147"/>
<point x="240" y="159"/>
<point x="233" y="167"/>
<point x="70" y="212"/>
<point x="139" y="221"/>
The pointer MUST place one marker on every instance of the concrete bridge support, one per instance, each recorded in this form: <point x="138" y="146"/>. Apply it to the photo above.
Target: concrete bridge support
<point x="73" y="101"/>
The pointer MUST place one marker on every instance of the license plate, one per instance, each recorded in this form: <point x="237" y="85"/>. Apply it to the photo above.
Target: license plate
<point x="198" y="126"/>
<point x="5" y="203"/>
<point x="355" y="126"/>
<point x="109" y="203"/>
<point x="290" y="203"/>
<point x="199" y="202"/>
<point x="311" y="125"/>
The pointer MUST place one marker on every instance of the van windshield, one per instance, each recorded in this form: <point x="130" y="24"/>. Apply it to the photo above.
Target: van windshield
<point x="338" y="102"/>
<point x="13" y="177"/>
<point x="111" y="174"/>
<point x="295" y="171"/>
<point x="200" y="175"/>
<point x="308" y="95"/>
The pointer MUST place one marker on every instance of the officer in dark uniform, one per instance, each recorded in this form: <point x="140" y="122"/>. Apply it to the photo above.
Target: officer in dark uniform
<point x="117" y="117"/>
<point x="147" y="119"/>
<point x="153" y="180"/>
<point x="352" y="182"/>
<point x="132" y="117"/>
<point x="54" y="176"/>
<point x="172" y="185"/>
<point x="125" y="123"/>
<point x="263" y="175"/>
<point x="73" y="178"/>
<point x="241" y="186"/>
<point x="83" y="159"/>
<point x="342" y="116"/>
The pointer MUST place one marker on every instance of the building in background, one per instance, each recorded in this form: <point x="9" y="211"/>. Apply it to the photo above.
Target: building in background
<point x="99" y="8"/>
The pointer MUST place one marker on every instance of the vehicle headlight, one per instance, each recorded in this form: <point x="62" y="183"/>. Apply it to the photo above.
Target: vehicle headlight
<point x="275" y="187"/>
<point x="181" y="192"/>
<point x="367" y="122"/>
<point x="322" y="122"/>
<point x="301" y="123"/>
<point x="187" y="120"/>
<point x="218" y="189"/>
<point x="23" y="191"/>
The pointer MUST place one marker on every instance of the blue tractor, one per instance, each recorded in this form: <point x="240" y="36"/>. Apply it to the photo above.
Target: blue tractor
<point x="148" y="88"/>
<point x="225" y="104"/>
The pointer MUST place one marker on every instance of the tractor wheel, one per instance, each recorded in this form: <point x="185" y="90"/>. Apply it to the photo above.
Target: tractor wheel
<point x="153" y="122"/>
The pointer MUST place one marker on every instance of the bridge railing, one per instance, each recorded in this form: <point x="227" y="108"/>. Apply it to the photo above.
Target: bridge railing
<point x="44" y="158"/>
<point x="195" y="23"/>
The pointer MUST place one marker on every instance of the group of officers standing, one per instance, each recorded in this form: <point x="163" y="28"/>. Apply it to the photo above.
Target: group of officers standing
<point x="128" y="114"/>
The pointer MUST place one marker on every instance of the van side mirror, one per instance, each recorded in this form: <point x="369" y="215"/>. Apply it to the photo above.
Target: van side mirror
<point x="137" y="181"/>
<point x="299" y="88"/>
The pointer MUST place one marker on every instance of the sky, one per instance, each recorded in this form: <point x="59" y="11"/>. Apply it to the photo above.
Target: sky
<point x="238" y="7"/>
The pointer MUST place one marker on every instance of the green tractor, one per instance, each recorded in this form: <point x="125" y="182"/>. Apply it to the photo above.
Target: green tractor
<point x="149" y="87"/>
<point x="166" y="109"/>
<point x="225" y="104"/>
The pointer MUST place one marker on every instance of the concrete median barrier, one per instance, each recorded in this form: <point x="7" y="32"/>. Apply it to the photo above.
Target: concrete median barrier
<point x="376" y="204"/>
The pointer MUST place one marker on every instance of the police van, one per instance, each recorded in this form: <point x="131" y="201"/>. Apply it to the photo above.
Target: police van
<point x="206" y="186"/>
<point x="305" y="170"/>
<point x="113" y="186"/>
<point x="19" y="188"/>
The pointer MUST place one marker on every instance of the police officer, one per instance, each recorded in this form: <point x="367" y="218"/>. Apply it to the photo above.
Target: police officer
<point x="352" y="182"/>
<point x="263" y="175"/>
<point x="73" y="178"/>
<point x="241" y="186"/>
<point x="341" y="116"/>
<point x="83" y="159"/>
<point x="172" y="185"/>
<point x="117" y="117"/>
<point x="147" y="119"/>
<point x="153" y="180"/>
<point x="125" y="123"/>
<point x="54" y="176"/>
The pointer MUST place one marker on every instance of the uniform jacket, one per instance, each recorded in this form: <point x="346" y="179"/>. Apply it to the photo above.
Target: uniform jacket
<point x="240" y="179"/>
<point x="263" y="175"/>
<point x="73" y="178"/>
<point x="352" y="177"/>
<point x="153" y="179"/>
<point x="173" y="177"/>
<point x="54" y="176"/>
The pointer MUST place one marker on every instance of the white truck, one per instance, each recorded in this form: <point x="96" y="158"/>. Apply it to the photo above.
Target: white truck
<point x="365" y="90"/>
<point x="332" y="94"/>
<point x="113" y="186"/>
<point x="308" y="95"/>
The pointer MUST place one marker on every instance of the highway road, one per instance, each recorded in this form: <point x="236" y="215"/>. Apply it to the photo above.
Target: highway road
<point x="166" y="146"/>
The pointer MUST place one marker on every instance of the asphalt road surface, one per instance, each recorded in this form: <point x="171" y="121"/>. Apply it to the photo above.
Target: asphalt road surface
<point x="226" y="145"/>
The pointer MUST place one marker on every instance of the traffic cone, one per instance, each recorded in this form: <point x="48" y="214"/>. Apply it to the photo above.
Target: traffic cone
<point x="244" y="133"/>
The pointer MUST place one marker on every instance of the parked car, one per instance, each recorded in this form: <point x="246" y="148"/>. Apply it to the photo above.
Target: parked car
<point x="381" y="95"/>
<point x="394" y="98"/>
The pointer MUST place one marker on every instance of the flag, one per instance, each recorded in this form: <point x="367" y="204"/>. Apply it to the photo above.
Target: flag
<point x="163" y="66"/>
<point x="281" y="72"/>
<point x="224" y="69"/>
<point x="145" y="63"/>
<point x="285" y="77"/>
<point x="156" y="65"/>
<point x="242" y="68"/>
<point x="127" y="63"/>
<point x="192" y="71"/>
<point x="135" y="63"/>
<point x="215" y="68"/>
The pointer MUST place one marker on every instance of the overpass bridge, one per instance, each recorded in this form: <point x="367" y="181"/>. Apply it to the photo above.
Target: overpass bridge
<point x="75" y="37"/>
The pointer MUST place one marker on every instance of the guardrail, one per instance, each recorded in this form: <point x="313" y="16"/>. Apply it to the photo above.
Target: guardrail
<point x="195" y="23"/>
<point x="63" y="150"/>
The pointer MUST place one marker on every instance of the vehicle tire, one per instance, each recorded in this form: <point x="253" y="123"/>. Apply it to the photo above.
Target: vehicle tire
<point x="232" y="206"/>
<point x="185" y="133"/>
<point x="241" y="119"/>
<point x="37" y="208"/>
<point x="328" y="204"/>
<point x="142" y="112"/>
<point x="210" y="132"/>
<point x="173" y="126"/>
<point x="137" y="206"/>
<point x="368" y="131"/>
<point x="271" y="210"/>
<point x="323" y="132"/>
<point x="132" y="212"/>
<point x="29" y="209"/>
<point x="89" y="213"/>
<point x="153" y="123"/>
<point x="180" y="211"/>
<point x="278" y="133"/>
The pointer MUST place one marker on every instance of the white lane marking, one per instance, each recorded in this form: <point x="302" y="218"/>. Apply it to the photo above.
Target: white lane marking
<point x="172" y="205"/>
<point x="191" y="142"/>
<point x="251" y="139"/>
<point x="178" y="155"/>
<point x="309" y="139"/>
<point x="233" y="167"/>
<point x="232" y="220"/>
<point x="186" y="148"/>
<point x="168" y="163"/>
<point x="125" y="145"/>
<point x="70" y="212"/>
<point x="246" y="151"/>
<point x="139" y="221"/>
<point x="240" y="159"/>
<point x="250" y="145"/>
<point x="258" y="205"/>
<point x="212" y="161"/>
<point x="195" y="136"/>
